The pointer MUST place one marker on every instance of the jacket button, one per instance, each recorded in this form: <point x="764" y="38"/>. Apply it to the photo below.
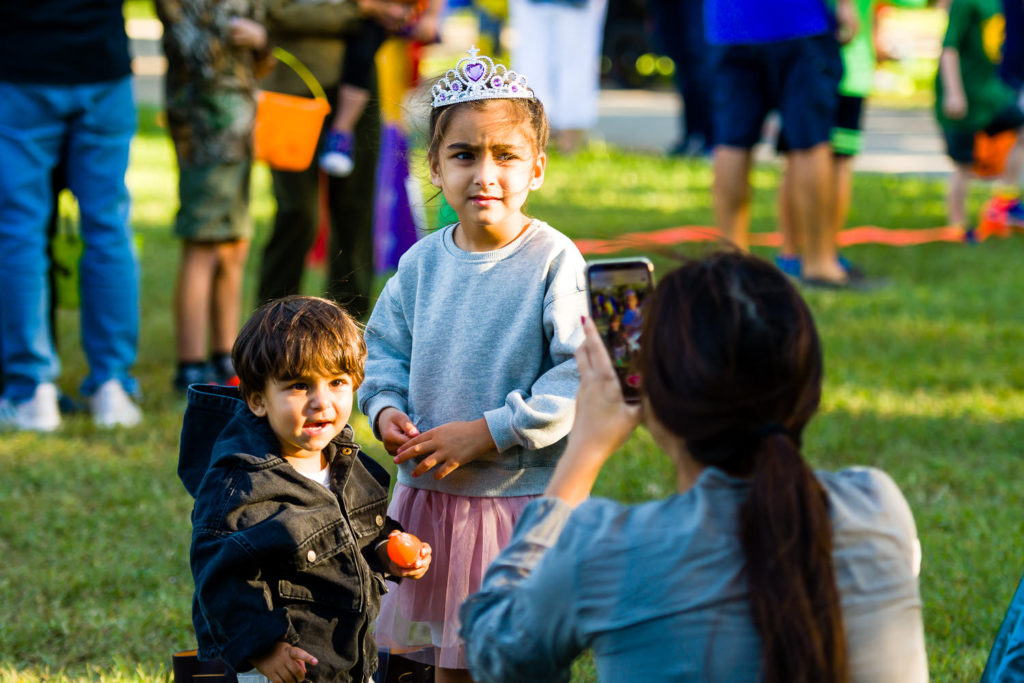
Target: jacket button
<point x="311" y="556"/>
<point x="380" y="520"/>
<point x="346" y="451"/>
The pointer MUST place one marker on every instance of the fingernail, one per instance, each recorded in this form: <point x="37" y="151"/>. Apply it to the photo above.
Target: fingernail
<point x="583" y="320"/>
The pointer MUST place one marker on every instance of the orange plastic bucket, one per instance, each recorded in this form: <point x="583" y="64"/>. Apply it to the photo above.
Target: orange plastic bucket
<point x="287" y="126"/>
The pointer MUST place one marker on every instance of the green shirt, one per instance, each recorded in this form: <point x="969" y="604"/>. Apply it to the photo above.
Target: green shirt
<point x="976" y="31"/>
<point x="859" y="53"/>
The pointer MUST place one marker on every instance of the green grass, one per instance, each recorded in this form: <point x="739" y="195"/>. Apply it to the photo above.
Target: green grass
<point x="922" y="380"/>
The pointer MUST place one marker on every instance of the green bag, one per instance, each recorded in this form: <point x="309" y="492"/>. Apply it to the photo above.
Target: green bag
<point x="66" y="252"/>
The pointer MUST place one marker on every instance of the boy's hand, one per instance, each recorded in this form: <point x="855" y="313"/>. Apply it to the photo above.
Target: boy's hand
<point x="415" y="572"/>
<point x="447" y="447"/>
<point x="285" y="663"/>
<point x="954" y="104"/>
<point x="395" y="428"/>
<point x="244" y="32"/>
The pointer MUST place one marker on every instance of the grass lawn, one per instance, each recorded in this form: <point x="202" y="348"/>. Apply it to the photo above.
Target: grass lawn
<point x="923" y="380"/>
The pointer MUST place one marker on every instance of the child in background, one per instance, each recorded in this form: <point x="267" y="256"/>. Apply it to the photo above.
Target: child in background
<point x="417" y="20"/>
<point x="216" y="49"/>
<point x="289" y="526"/>
<point x="970" y="97"/>
<point x="470" y="376"/>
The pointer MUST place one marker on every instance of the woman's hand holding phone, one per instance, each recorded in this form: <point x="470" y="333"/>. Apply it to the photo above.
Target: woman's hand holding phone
<point x="604" y="420"/>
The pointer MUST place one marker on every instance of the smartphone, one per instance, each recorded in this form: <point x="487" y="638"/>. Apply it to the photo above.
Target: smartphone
<point x="617" y="290"/>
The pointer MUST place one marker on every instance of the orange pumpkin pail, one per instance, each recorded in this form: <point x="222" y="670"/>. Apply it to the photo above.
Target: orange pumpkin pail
<point x="288" y="126"/>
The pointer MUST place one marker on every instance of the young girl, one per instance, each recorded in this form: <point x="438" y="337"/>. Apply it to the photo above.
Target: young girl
<point x="470" y="378"/>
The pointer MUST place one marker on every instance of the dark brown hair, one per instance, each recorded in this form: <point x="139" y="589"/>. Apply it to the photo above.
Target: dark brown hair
<point x="731" y="363"/>
<point x="295" y="336"/>
<point x="520" y="110"/>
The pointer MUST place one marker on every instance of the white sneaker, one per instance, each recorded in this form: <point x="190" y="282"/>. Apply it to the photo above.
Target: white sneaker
<point x="38" y="414"/>
<point x="112" y="406"/>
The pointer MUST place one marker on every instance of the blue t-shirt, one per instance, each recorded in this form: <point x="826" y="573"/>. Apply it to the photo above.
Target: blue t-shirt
<point x="738" y="22"/>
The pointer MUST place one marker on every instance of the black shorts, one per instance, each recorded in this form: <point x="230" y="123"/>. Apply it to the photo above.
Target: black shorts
<point x="797" y="77"/>
<point x="960" y="144"/>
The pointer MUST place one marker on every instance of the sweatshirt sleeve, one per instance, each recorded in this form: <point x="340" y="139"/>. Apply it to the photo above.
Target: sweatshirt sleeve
<point x="522" y="624"/>
<point x="389" y="348"/>
<point x="544" y="415"/>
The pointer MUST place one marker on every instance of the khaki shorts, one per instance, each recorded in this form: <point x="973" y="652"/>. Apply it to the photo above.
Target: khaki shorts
<point x="214" y="203"/>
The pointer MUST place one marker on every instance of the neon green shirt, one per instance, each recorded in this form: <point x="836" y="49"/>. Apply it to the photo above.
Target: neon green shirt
<point x="859" y="54"/>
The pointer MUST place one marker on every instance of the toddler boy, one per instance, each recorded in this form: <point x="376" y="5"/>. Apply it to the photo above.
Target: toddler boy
<point x="289" y="525"/>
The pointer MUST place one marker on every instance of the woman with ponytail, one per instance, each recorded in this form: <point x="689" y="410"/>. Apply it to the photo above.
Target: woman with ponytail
<point x="758" y="568"/>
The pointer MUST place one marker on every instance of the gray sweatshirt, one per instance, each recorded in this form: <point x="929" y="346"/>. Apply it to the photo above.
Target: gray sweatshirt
<point x="460" y="335"/>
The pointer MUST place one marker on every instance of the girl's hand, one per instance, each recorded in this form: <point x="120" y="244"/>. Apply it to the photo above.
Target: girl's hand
<point x="285" y="663"/>
<point x="447" y="447"/>
<point x="415" y="572"/>
<point x="395" y="428"/>
<point x="244" y="32"/>
<point x="603" y="421"/>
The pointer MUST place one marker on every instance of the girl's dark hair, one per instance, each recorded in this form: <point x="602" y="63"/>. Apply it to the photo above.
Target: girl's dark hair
<point x="295" y="336"/>
<point x="731" y="363"/>
<point x="521" y="110"/>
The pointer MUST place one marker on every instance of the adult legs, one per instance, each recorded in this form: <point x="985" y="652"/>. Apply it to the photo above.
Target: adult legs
<point x="350" y="259"/>
<point x="31" y="132"/>
<point x="295" y="224"/>
<point x="192" y="309"/>
<point x="732" y="193"/>
<point x="98" y="148"/>
<point x="812" y="208"/>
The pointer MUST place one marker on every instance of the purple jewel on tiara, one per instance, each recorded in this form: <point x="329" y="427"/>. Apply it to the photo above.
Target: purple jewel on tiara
<point x="496" y="82"/>
<point x="475" y="71"/>
<point x="456" y="86"/>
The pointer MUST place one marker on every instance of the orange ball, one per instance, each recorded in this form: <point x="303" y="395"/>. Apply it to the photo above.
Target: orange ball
<point x="404" y="549"/>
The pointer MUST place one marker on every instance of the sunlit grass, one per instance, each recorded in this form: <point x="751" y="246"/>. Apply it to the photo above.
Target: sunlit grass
<point x="923" y="379"/>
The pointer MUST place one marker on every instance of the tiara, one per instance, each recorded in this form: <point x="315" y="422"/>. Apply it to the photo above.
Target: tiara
<point x="478" y="78"/>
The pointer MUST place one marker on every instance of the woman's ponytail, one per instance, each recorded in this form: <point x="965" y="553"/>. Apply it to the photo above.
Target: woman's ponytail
<point x="787" y="539"/>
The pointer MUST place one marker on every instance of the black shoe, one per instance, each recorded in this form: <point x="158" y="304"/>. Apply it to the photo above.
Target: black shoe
<point x="191" y="373"/>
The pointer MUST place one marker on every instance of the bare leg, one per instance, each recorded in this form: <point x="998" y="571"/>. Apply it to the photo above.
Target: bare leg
<point x="956" y="197"/>
<point x="226" y="301"/>
<point x="732" y="194"/>
<point x="192" y="299"/>
<point x="452" y="676"/>
<point x="351" y="104"/>
<point x="791" y="242"/>
<point x="813" y="210"/>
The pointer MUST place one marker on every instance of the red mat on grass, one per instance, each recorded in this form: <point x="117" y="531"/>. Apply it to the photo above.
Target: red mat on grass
<point x="867" y="234"/>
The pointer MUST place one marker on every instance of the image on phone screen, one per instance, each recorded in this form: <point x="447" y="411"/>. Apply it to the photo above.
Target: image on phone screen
<point x="617" y="289"/>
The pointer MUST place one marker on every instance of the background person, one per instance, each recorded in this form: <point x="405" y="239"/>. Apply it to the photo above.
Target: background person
<point x="65" y="84"/>
<point x="313" y="32"/>
<point x="780" y="56"/>
<point x="758" y="569"/>
<point x="215" y="51"/>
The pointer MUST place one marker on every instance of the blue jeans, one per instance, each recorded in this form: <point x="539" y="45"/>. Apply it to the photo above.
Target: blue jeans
<point x="92" y="126"/>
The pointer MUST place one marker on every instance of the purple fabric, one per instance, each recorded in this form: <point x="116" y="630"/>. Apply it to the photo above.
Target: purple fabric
<point x="394" y="229"/>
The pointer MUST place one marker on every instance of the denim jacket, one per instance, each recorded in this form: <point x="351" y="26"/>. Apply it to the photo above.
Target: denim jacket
<point x="276" y="556"/>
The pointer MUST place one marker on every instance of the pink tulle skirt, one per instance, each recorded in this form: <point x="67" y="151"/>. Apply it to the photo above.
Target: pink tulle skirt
<point x="420" y="619"/>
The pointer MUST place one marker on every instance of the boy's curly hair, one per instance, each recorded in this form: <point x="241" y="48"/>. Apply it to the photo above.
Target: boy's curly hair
<point x="295" y="336"/>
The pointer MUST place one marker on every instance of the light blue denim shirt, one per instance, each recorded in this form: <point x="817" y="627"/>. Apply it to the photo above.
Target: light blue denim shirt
<point x="657" y="590"/>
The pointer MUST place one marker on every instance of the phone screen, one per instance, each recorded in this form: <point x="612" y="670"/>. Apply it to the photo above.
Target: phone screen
<point x="617" y="289"/>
